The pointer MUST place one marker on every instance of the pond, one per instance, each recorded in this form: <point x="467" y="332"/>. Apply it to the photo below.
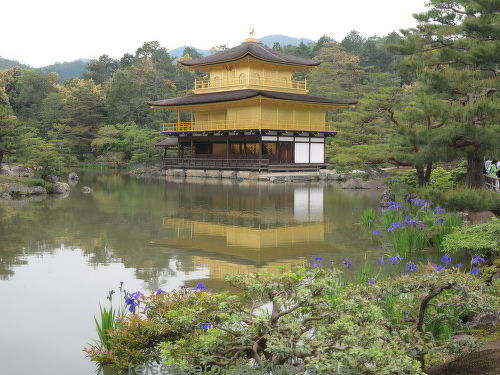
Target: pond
<point x="60" y="257"/>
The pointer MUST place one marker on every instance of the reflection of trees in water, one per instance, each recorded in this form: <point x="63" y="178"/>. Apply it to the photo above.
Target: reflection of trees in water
<point x="123" y="215"/>
<point x="114" y="224"/>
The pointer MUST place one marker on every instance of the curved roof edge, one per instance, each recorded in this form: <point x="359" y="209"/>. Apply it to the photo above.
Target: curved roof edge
<point x="254" y="49"/>
<point x="227" y="96"/>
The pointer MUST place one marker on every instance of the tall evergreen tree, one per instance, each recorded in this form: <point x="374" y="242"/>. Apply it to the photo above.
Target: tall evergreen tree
<point x="454" y="52"/>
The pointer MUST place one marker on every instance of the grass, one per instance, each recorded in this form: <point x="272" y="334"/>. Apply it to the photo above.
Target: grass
<point x="406" y="240"/>
<point x="368" y="218"/>
<point x="450" y="222"/>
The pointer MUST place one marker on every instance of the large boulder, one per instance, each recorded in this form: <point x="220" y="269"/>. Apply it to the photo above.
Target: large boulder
<point x="5" y="195"/>
<point x="483" y="319"/>
<point x="52" y="178"/>
<point x="19" y="189"/>
<point x="60" y="188"/>
<point x="86" y="190"/>
<point x="16" y="171"/>
<point x="353" y="183"/>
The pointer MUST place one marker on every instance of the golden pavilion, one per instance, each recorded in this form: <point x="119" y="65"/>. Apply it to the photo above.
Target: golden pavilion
<point x="250" y="114"/>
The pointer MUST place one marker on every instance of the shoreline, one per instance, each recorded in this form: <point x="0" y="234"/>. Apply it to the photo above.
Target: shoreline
<point x="355" y="179"/>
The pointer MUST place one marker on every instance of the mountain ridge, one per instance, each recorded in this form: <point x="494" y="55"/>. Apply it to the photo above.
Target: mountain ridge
<point x="75" y="68"/>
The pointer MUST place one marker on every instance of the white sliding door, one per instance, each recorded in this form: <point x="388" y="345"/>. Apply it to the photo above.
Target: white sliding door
<point x="301" y="152"/>
<point x="317" y="152"/>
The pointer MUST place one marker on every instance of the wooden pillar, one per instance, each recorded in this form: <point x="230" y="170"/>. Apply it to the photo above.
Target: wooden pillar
<point x="192" y="147"/>
<point x="227" y="147"/>
<point x="260" y="150"/>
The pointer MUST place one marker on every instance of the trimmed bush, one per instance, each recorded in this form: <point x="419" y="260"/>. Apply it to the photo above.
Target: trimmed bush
<point x="480" y="239"/>
<point x="462" y="199"/>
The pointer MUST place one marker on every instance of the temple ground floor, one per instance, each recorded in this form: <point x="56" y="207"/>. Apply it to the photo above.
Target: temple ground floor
<point x="256" y="152"/>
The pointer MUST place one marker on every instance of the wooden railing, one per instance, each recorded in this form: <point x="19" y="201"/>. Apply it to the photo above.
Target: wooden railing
<point x="230" y="125"/>
<point x="210" y="85"/>
<point x="253" y="163"/>
<point x="492" y="183"/>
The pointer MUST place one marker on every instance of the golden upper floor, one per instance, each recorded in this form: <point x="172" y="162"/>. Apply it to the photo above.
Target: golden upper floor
<point x="250" y="65"/>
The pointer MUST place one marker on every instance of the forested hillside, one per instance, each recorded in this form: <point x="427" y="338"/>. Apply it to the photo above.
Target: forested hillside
<point x="423" y="98"/>
<point x="6" y="63"/>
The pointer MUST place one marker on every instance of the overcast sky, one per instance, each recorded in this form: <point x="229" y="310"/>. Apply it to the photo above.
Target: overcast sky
<point x="41" y="32"/>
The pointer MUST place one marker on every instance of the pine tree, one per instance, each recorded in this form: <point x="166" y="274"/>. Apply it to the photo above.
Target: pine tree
<point x="454" y="54"/>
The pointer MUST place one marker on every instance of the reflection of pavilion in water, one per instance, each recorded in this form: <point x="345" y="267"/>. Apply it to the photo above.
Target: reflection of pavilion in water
<point x="260" y="229"/>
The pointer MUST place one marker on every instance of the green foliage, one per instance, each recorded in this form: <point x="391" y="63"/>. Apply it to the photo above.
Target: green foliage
<point x="459" y="173"/>
<point x="44" y="156"/>
<point x="462" y="199"/>
<point x="11" y="135"/>
<point x="441" y="179"/>
<point x="290" y="317"/>
<point x="117" y="144"/>
<point x="480" y="239"/>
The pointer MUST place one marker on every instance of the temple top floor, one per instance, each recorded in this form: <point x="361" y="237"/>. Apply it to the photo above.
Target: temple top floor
<point x="250" y="65"/>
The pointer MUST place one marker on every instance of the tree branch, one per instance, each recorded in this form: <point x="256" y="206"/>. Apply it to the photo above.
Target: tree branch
<point x="424" y="303"/>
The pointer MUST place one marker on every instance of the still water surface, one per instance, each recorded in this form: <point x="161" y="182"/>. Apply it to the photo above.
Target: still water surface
<point x="59" y="257"/>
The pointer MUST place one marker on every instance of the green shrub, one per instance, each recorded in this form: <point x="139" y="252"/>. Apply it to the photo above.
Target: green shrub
<point x="409" y="178"/>
<point x="459" y="173"/>
<point x="480" y="239"/>
<point x="441" y="179"/>
<point x="291" y="316"/>
<point x="462" y="199"/>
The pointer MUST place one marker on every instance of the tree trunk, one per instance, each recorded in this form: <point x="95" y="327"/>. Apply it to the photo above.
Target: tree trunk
<point x="475" y="171"/>
<point x="420" y="175"/>
<point x="428" y="171"/>
<point x="1" y="157"/>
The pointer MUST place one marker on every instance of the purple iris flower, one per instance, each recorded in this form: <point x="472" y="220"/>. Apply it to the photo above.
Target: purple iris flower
<point x="347" y="263"/>
<point x="381" y="260"/>
<point x="446" y="258"/>
<point x="132" y="300"/>
<point x="200" y="286"/>
<point x="438" y="210"/>
<point x="475" y="271"/>
<point x="315" y="265"/>
<point x="390" y="229"/>
<point x="318" y="258"/>
<point x="438" y="268"/>
<point x="478" y="259"/>
<point x="376" y="232"/>
<point x="439" y="220"/>
<point x="372" y="281"/>
<point x="395" y="260"/>
<point x="160" y="291"/>
<point x="411" y="267"/>
<point x="206" y="326"/>
<point x="459" y="265"/>
<point x="397" y="225"/>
